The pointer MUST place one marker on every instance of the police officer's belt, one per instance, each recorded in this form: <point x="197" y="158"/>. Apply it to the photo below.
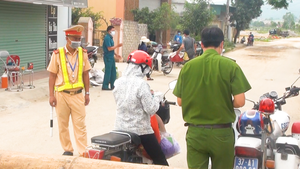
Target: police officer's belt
<point x="73" y="92"/>
<point x="209" y="126"/>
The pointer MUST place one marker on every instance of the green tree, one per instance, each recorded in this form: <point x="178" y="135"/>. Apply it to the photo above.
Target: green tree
<point x="244" y="13"/>
<point x="146" y="17"/>
<point x="165" y="18"/>
<point x="161" y="19"/>
<point x="87" y="12"/>
<point x="258" y="24"/>
<point x="278" y="4"/>
<point x="289" y="21"/>
<point x="273" y="24"/>
<point x="196" y="16"/>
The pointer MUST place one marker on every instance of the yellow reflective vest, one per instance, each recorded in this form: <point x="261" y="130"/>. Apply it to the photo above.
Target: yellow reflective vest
<point x="67" y="85"/>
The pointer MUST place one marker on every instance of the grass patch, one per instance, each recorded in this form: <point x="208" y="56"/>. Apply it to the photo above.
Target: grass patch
<point x="228" y="46"/>
<point x="263" y="39"/>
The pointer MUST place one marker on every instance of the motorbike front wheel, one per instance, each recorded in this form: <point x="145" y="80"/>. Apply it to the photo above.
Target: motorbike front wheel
<point x="167" y="66"/>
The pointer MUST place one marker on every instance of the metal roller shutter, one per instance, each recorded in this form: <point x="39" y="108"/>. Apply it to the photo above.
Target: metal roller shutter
<point x="23" y="32"/>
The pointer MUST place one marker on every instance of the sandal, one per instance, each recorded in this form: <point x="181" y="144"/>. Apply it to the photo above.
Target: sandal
<point x="150" y="78"/>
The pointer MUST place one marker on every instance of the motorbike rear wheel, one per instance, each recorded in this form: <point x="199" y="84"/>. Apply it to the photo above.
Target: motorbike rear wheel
<point x="168" y="66"/>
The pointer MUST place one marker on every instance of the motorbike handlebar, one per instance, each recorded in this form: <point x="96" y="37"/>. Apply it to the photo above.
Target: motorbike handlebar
<point x="294" y="91"/>
<point x="172" y="103"/>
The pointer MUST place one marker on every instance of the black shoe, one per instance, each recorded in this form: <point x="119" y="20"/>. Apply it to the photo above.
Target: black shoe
<point x="68" y="153"/>
<point x="106" y="89"/>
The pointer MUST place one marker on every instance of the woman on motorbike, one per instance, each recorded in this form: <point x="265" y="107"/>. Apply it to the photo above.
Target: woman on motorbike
<point x="136" y="104"/>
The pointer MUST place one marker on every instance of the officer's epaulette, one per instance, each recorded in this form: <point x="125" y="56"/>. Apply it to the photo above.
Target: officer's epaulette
<point x="56" y="51"/>
<point x="84" y="50"/>
<point x="229" y="58"/>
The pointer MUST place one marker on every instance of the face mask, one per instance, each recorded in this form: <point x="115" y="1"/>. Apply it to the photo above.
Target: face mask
<point x="112" y="33"/>
<point x="179" y="33"/>
<point x="75" y="44"/>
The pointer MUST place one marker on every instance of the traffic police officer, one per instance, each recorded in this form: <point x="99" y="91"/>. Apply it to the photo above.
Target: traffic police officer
<point x="69" y="69"/>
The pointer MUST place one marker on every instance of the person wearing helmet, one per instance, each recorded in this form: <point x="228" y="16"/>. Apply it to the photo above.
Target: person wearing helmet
<point x="136" y="104"/>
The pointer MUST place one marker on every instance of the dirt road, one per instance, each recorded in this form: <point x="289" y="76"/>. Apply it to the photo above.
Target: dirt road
<point x="24" y="116"/>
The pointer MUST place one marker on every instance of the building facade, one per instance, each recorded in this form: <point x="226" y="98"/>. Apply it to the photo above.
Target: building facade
<point x="33" y="29"/>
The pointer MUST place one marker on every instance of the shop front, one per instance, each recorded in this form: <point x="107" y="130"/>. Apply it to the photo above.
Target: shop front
<point x="29" y="28"/>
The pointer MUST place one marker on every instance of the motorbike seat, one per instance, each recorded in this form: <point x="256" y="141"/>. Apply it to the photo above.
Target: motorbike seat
<point x="116" y="138"/>
<point x="90" y="49"/>
<point x="135" y="139"/>
<point x="110" y="139"/>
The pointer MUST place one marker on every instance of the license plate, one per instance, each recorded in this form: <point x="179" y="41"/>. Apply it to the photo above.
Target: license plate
<point x="245" y="163"/>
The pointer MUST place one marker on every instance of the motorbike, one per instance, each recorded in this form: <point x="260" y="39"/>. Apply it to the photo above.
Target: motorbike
<point x="161" y="61"/>
<point x="262" y="143"/>
<point x="250" y="40"/>
<point x="179" y="58"/>
<point x="199" y="49"/>
<point x="122" y="145"/>
<point x="92" y="54"/>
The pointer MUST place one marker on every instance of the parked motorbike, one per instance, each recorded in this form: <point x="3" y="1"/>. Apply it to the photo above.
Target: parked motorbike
<point x="122" y="145"/>
<point x="262" y="142"/>
<point x="199" y="49"/>
<point x="92" y="54"/>
<point x="161" y="61"/>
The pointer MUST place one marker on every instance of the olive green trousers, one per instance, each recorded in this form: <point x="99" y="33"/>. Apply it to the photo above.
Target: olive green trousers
<point x="202" y="143"/>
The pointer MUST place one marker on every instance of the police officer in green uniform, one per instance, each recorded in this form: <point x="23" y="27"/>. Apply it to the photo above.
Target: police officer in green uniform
<point x="208" y="89"/>
<point x="109" y="59"/>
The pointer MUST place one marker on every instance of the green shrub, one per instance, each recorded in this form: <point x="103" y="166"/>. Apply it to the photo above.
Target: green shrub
<point x="228" y="46"/>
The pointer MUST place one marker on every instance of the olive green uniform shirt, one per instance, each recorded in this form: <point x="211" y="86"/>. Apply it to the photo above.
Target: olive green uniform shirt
<point x="206" y="85"/>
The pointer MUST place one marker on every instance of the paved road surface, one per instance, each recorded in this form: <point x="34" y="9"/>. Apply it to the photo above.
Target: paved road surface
<point x="24" y="116"/>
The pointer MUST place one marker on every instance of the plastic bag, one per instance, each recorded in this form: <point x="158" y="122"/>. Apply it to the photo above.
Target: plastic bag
<point x="96" y="76"/>
<point x="174" y="57"/>
<point x="169" y="145"/>
<point x="186" y="56"/>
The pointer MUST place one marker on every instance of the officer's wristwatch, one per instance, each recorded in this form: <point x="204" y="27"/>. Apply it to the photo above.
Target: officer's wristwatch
<point x="87" y="93"/>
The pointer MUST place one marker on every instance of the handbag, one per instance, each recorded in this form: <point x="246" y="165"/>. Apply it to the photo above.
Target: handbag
<point x="186" y="56"/>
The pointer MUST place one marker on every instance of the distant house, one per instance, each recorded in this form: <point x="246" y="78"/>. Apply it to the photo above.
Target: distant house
<point x="220" y="20"/>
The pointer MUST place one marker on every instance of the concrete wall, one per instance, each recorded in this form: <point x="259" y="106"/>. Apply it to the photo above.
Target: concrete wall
<point x="108" y="9"/>
<point x="120" y="9"/>
<point x="132" y="32"/>
<point x="179" y="5"/>
<point x="130" y="5"/>
<point x="151" y="4"/>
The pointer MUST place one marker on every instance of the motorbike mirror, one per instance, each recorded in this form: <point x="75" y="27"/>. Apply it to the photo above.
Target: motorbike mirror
<point x="172" y="84"/>
<point x="295" y="80"/>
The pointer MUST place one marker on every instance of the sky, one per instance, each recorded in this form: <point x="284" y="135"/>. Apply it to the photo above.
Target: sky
<point x="268" y="12"/>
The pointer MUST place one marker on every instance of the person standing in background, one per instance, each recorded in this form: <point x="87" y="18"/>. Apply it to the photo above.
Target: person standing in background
<point x="178" y="38"/>
<point x="109" y="47"/>
<point x="142" y="46"/>
<point x="188" y="44"/>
